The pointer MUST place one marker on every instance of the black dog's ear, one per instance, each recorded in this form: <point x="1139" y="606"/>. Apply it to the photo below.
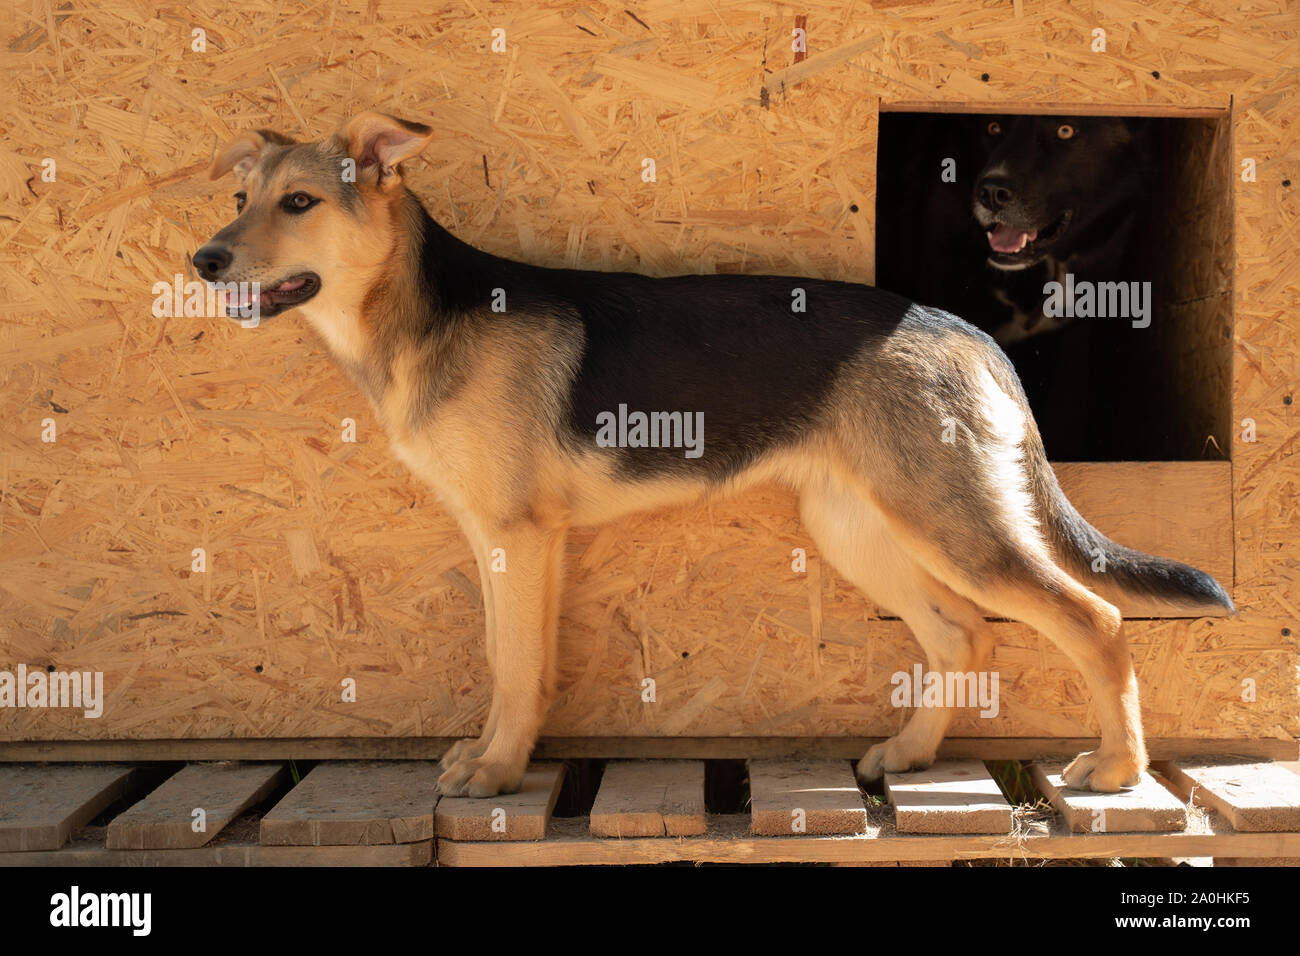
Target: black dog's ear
<point x="242" y="153"/>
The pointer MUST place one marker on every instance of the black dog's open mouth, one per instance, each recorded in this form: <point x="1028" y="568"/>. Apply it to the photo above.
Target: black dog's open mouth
<point x="1010" y="247"/>
<point x="253" y="300"/>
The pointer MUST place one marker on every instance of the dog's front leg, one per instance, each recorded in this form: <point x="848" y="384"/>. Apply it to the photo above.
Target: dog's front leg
<point x="524" y="568"/>
<point x="475" y="747"/>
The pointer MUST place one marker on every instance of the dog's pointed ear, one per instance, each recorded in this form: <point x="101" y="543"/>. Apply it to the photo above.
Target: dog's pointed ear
<point x="242" y="153"/>
<point x="378" y="143"/>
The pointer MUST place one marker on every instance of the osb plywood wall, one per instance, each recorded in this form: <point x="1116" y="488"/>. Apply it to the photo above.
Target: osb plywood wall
<point x="327" y="561"/>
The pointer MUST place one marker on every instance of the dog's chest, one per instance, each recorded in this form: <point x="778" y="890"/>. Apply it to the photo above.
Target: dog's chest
<point x="1028" y="319"/>
<point x="447" y="448"/>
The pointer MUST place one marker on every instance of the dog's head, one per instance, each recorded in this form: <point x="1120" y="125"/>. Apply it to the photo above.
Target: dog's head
<point x="1047" y="181"/>
<point x="312" y="219"/>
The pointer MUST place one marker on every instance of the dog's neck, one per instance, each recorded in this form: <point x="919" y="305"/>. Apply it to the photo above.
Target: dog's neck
<point x="426" y="288"/>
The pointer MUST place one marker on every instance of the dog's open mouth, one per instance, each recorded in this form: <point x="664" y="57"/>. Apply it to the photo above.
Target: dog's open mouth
<point x="266" y="300"/>
<point x="1011" y="247"/>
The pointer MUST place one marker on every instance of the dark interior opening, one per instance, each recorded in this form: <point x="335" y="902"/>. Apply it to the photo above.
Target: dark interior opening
<point x="1102" y="206"/>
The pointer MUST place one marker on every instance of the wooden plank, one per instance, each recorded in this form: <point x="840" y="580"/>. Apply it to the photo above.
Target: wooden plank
<point x="509" y="816"/>
<point x="611" y="748"/>
<point x="952" y="796"/>
<point x="1254" y="796"/>
<point x="893" y="863"/>
<point x="804" y="796"/>
<point x="356" y="802"/>
<point x="1146" y="807"/>
<point x="727" y="840"/>
<point x="165" y="819"/>
<point x="41" y="806"/>
<point x="650" y="798"/>
<point x="233" y="854"/>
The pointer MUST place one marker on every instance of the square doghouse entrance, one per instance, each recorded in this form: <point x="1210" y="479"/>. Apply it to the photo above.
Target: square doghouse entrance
<point x="1098" y="251"/>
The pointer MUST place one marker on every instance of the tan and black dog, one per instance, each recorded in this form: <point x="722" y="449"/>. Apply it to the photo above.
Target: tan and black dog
<point x="903" y="430"/>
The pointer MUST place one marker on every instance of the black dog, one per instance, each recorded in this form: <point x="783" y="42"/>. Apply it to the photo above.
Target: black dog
<point x="1057" y="196"/>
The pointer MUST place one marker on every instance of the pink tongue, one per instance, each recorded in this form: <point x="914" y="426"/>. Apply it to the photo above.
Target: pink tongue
<point x="1006" y="239"/>
<point x="289" y="285"/>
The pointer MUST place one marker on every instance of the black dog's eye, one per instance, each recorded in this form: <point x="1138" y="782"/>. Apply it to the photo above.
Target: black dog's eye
<point x="1064" y="131"/>
<point x="240" y="199"/>
<point x="298" y="202"/>
<point x="995" y="128"/>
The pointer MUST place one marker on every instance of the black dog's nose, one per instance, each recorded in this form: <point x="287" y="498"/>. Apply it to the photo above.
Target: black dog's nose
<point x="211" y="261"/>
<point x="995" y="193"/>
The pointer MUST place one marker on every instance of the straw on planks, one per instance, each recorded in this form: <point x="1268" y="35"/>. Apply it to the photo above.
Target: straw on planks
<point x="326" y="561"/>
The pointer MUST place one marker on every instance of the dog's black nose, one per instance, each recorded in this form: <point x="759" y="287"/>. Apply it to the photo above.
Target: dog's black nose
<point x="995" y="193"/>
<point x="211" y="261"/>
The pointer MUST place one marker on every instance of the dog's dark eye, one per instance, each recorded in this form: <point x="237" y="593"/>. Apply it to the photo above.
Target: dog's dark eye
<point x="240" y="199"/>
<point x="298" y="202"/>
<point x="995" y="128"/>
<point x="1064" y="131"/>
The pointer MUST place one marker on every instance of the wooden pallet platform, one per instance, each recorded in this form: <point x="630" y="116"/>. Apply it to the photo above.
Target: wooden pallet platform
<point x="389" y="813"/>
<point x="728" y="840"/>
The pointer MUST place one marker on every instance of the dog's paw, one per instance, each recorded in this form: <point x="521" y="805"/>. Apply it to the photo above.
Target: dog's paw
<point x="474" y="777"/>
<point x="892" y="756"/>
<point x="1103" y="773"/>
<point x="460" y="750"/>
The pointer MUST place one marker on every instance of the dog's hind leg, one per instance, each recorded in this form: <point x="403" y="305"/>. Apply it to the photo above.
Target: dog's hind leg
<point x="525" y="596"/>
<point x="1089" y="630"/>
<point x="951" y="458"/>
<point x="991" y="558"/>
<point x="854" y="537"/>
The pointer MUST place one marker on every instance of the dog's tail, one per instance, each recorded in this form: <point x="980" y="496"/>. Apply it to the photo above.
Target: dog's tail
<point x="1139" y="584"/>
